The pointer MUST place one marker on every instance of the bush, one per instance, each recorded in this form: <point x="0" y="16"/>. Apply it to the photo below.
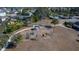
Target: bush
<point x="35" y="18"/>
<point x="55" y="21"/>
<point x="7" y="30"/>
<point x="15" y="40"/>
<point x="18" y="38"/>
<point x="11" y="45"/>
<point x="3" y="40"/>
<point x="33" y="38"/>
<point x="12" y="26"/>
<point x="68" y="24"/>
<point x="24" y="11"/>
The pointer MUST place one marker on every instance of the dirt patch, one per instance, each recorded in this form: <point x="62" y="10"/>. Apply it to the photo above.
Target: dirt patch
<point x="61" y="39"/>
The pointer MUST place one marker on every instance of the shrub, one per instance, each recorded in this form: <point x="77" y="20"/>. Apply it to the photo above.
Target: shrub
<point x="18" y="38"/>
<point x="3" y="40"/>
<point x="15" y="40"/>
<point x="55" y="21"/>
<point x="35" y="18"/>
<point x="68" y="24"/>
<point x="12" y="26"/>
<point x="24" y="11"/>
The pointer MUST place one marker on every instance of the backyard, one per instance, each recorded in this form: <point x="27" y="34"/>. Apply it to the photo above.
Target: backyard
<point x="48" y="39"/>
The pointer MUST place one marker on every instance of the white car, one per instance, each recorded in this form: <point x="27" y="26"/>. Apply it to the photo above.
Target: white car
<point x="36" y="27"/>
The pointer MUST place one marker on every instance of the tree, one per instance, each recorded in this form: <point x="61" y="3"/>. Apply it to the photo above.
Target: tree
<point x="35" y="18"/>
<point x="3" y="40"/>
<point x="24" y="10"/>
<point x="15" y="40"/>
<point x="18" y="38"/>
<point x="55" y="21"/>
<point x="12" y="26"/>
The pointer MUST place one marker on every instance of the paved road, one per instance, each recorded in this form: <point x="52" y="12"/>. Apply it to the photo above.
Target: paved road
<point x="10" y="38"/>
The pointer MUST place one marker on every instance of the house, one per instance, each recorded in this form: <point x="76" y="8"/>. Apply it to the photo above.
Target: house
<point x="2" y="15"/>
<point x="2" y="12"/>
